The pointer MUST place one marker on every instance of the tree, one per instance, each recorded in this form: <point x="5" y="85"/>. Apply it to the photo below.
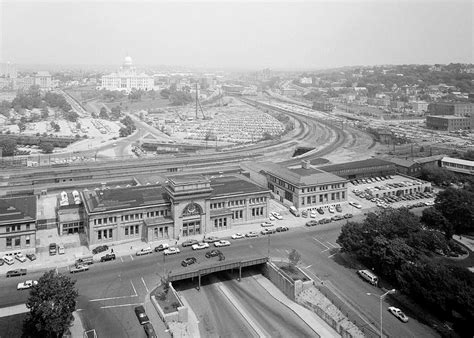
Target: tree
<point x="103" y="113"/>
<point x="51" y="304"/>
<point x="46" y="147"/>
<point x="44" y="113"/>
<point x="437" y="175"/>
<point x="8" y="146"/>
<point x="165" y="93"/>
<point x="293" y="258"/>
<point x="434" y="219"/>
<point x="21" y="126"/>
<point x="457" y="206"/>
<point x="71" y="116"/>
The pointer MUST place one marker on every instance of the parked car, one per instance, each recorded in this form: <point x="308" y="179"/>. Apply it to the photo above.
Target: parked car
<point x="188" y="261"/>
<point x="52" y="249"/>
<point x="338" y="208"/>
<point x="78" y="268"/>
<point x="213" y="253"/>
<point x="320" y="211"/>
<point x="99" y="249"/>
<point x="398" y="313"/>
<point x="211" y="239"/>
<point x="149" y="330"/>
<point x="107" y="257"/>
<point x="8" y="259"/>
<point x="313" y="214"/>
<point x="171" y="251"/>
<point x="16" y="273"/>
<point x="267" y="231"/>
<point x="189" y="242"/>
<point x="337" y="218"/>
<point x="144" y="251"/>
<point x="2" y="262"/>
<point x="282" y="229"/>
<point x="331" y="209"/>
<point x="20" y="257"/>
<point x="311" y="223"/>
<point x="141" y="315"/>
<point x="238" y="235"/>
<point x="200" y="246"/>
<point x="266" y="224"/>
<point x="26" y="285"/>
<point x="31" y="256"/>
<point x="251" y="234"/>
<point x="304" y="213"/>
<point x="355" y="205"/>
<point x="162" y="247"/>
<point x="222" y="242"/>
<point x="277" y="215"/>
<point x="348" y="216"/>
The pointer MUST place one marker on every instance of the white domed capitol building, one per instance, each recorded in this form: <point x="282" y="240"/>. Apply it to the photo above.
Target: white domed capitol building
<point x="127" y="79"/>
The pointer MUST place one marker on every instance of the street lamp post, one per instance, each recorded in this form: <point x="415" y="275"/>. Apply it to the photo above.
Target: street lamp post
<point x="268" y="248"/>
<point x="381" y="297"/>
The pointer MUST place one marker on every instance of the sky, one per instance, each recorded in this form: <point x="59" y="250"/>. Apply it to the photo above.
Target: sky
<point x="244" y="35"/>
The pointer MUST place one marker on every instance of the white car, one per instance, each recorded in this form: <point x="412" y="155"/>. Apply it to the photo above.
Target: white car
<point x="277" y="215"/>
<point x="238" y="235"/>
<point x="313" y="214"/>
<point x="266" y="224"/>
<point x="20" y="257"/>
<point x="26" y="285"/>
<point x="429" y="203"/>
<point x="144" y="251"/>
<point x="200" y="246"/>
<point x="271" y="218"/>
<point x="355" y="205"/>
<point x="222" y="242"/>
<point x="332" y="210"/>
<point x="251" y="234"/>
<point x="171" y="251"/>
<point x="398" y="313"/>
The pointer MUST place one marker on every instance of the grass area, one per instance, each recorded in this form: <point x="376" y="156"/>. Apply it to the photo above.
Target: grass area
<point x="292" y="273"/>
<point x="166" y="299"/>
<point x="144" y="104"/>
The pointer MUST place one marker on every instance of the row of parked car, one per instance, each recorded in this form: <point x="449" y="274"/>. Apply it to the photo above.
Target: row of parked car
<point x="312" y="213"/>
<point x="328" y="220"/>
<point x="371" y="180"/>
<point x="18" y="256"/>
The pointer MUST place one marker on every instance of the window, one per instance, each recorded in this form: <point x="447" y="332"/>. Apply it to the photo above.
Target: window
<point x="99" y="234"/>
<point x="110" y="233"/>
<point x="17" y="241"/>
<point x="9" y="242"/>
<point x="28" y="227"/>
<point x="126" y="231"/>
<point x="136" y="229"/>
<point x="8" y="229"/>
<point x="27" y="240"/>
<point x="131" y="230"/>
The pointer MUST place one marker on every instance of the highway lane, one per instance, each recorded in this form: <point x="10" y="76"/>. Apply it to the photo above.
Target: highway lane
<point x="316" y="245"/>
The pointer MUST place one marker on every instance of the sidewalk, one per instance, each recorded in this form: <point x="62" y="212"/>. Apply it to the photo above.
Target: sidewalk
<point x="155" y="320"/>
<point x="77" y="329"/>
<point x="309" y="317"/>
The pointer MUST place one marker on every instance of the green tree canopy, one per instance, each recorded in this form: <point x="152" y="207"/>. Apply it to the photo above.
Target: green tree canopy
<point x="46" y="147"/>
<point x="457" y="206"/>
<point x="51" y="304"/>
<point x="8" y="146"/>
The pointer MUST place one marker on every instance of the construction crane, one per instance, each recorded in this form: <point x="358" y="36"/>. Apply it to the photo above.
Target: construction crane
<point x="198" y="104"/>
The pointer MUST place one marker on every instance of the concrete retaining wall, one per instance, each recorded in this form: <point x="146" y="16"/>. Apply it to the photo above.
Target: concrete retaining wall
<point x="180" y="315"/>
<point x="283" y="283"/>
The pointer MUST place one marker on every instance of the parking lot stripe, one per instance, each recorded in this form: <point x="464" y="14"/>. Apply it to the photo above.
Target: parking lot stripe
<point x="309" y="266"/>
<point x="110" y="298"/>
<point x="313" y="275"/>
<point x="131" y="257"/>
<point x="334" y="246"/>
<point x="145" y="285"/>
<point x="134" y="290"/>
<point x="121" y="259"/>
<point x="317" y="240"/>
<point x="121" y="305"/>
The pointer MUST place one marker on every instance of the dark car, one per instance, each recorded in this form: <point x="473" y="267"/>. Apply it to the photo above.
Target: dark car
<point x="281" y="229"/>
<point x="348" y="216"/>
<point x="320" y="211"/>
<point x="1" y="262"/>
<point x="311" y="223"/>
<point x="188" y="261"/>
<point x="16" y="273"/>
<point x="149" y="330"/>
<point x="99" y="249"/>
<point x="211" y="239"/>
<point x="31" y="256"/>
<point x="161" y="247"/>
<point x="141" y="315"/>
<point x="52" y="249"/>
<point x="212" y="253"/>
<point x="338" y="208"/>
<point x="189" y="242"/>
<point x="107" y="257"/>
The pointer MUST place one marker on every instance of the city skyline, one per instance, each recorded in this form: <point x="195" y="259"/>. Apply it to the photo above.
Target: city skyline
<point x="242" y="35"/>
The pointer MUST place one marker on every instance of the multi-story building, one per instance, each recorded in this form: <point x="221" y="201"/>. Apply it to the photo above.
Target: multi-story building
<point x="43" y="80"/>
<point x="8" y="70"/>
<point x="17" y="225"/>
<point x="419" y="106"/>
<point x="457" y="165"/>
<point x="303" y="187"/>
<point x="127" y="79"/>
<point x="451" y="108"/>
<point x="184" y="206"/>
<point x="448" y="122"/>
<point x="323" y="106"/>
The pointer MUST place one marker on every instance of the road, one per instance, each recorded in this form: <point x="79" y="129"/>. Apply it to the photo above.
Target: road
<point x="111" y="285"/>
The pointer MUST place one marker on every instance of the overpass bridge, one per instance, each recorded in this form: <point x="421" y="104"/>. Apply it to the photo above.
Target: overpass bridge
<point x="221" y="266"/>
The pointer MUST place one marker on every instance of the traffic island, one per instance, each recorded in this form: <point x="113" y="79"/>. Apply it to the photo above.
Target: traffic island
<point x="167" y="303"/>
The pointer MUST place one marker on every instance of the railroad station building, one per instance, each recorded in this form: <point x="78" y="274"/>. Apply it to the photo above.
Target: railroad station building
<point x="182" y="206"/>
<point x="17" y="225"/>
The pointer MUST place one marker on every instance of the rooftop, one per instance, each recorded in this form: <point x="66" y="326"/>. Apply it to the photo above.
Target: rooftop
<point x="402" y="162"/>
<point x="231" y="185"/>
<point x="371" y="162"/>
<point x="457" y="161"/>
<point x="448" y="117"/>
<point x="17" y="209"/>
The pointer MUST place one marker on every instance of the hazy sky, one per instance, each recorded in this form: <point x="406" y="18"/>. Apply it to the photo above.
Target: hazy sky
<point x="293" y="34"/>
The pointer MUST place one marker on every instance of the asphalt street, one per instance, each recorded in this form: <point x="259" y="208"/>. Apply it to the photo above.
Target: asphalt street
<point x="109" y="290"/>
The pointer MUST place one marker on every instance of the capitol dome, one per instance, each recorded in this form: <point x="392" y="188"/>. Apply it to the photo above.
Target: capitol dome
<point x="127" y="61"/>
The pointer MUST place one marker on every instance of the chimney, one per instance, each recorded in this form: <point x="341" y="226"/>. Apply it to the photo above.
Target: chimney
<point x="305" y="164"/>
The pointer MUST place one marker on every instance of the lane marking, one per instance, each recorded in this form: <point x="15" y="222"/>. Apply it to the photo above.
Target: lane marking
<point x="332" y="255"/>
<point x="121" y="259"/>
<point x="110" y="298"/>
<point x="122" y="305"/>
<point x="317" y="240"/>
<point x="334" y="246"/>
<point x="287" y="251"/>
<point x="309" y="266"/>
<point x="145" y="285"/>
<point x="134" y="290"/>
<point x="131" y="257"/>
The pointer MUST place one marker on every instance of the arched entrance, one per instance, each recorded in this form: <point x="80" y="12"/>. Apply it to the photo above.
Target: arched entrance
<point x="192" y="220"/>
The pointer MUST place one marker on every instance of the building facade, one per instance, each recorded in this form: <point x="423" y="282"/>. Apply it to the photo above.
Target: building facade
<point x="323" y="106"/>
<point x="448" y="123"/>
<point x="127" y="79"/>
<point x="451" y="108"/>
<point x="361" y="169"/>
<point x="17" y="225"/>
<point x="457" y="165"/>
<point x="184" y="206"/>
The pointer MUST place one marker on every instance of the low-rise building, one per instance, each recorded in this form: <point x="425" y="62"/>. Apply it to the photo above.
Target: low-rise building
<point x="448" y="122"/>
<point x="451" y="108"/>
<point x="360" y="169"/>
<point x="406" y="167"/>
<point x="457" y="165"/>
<point x="324" y="106"/>
<point x="419" y="106"/>
<point x="17" y="225"/>
<point x="183" y="206"/>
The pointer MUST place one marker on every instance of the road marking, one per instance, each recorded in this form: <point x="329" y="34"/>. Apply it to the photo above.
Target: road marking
<point x="317" y="240"/>
<point x="309" y="266"/>
<point x="145" y="285"/>
<point x="134" y="290"/>
<point x="131" y="257"/>
<point x="332" y="255"/>
<point x="287" y="251"/>
<point x="122" y="305"/>
<point x="334" y="246"/>
<point x="311" y="273"/>
<point x="110" y="298"/>
<point x="121" y="259"/>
